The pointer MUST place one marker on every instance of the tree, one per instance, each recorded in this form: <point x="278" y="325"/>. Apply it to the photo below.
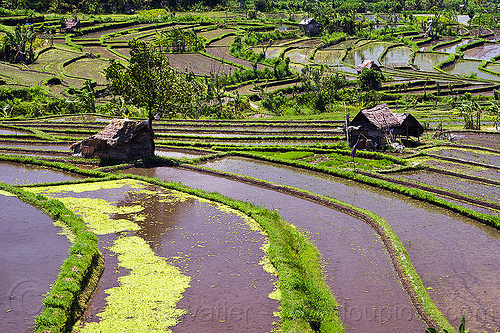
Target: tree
<point x="86" y="97"/>
<point x="370" y="79"/>
<point x="149" y="81"/>
<point x="13" y="48"/>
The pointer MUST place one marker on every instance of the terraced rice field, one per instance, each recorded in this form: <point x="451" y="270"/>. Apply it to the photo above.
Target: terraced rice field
<point x="198" y="64"/>
<point x="358" y="268"/>
<point x="391" y="261"/>
<point x="90" y="68"/>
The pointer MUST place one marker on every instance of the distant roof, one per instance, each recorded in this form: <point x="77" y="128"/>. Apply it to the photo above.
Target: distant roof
<point x="307" y="21"/>
<point x="120" y="131"/>
<point x="379" y="117"/>
<point x="369" y="64"/>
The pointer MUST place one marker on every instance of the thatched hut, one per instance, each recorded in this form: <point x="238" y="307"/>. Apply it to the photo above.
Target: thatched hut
<point x="368" y="64"/>
<point x="71" y="25"/>
<point x="310" y="26"/>
<point x="371" y="128"/>
<point x="122" y="139"/>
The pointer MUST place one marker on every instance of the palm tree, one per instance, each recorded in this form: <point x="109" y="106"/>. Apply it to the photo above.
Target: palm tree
<point x="13" y="48"/>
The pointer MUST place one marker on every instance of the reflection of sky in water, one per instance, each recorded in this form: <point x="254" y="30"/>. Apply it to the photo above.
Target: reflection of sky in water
<point x="427" y="60"/>
<point x="370" y="51"/>
<point x="452" y="48"/>
<point x="467" y="67"/>
<point x="397" y="55"/>
<point x="483" y="52"/>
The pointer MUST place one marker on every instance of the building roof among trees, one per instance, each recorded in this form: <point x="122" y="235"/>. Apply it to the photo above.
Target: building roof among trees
<point x="121" y="131"/>
<point x="368" y="64"/>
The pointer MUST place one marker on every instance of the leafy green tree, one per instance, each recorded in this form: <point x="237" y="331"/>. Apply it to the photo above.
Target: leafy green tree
<point x="13" y="46"/>
<point x="86" y="97"/>
<point x="149" y="81"/>
<point x="370" y="79"/>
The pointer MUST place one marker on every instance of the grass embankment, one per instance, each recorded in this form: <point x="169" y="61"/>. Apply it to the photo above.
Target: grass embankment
<point x="493" y="221"/>
<point x="79" y="273"/>
<point x="398" y="254"/>
<point x="307" y="304"/>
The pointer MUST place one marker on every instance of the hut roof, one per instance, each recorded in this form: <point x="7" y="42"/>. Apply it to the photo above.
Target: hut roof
<point x="121" y="131"/>
<point x="379" y="117"/>
<point x="71" y="23"/>
<point x="406" y="119"/>
<point x="369" y="64"/>
<point x="307" y="21"/>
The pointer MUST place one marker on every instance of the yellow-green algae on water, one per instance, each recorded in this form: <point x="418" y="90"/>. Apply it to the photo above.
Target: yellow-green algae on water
<point x="7" y="194"/>
<point x="146" y="298"/>
<point x="97" y="212"/>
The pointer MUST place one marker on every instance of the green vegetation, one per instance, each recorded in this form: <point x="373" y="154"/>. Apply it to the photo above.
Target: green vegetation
<point x="80" y="272"/>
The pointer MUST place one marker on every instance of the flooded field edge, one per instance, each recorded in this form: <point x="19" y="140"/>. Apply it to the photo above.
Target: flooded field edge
<point x="399" y="257"/>
<point x="78" y="274"/>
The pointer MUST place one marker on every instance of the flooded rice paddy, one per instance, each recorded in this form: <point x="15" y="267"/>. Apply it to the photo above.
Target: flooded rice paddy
<point x="9" y="131"/>
<point x="468" y="155"/>
<point x="427" y="60"/>
<point x="357" y="266"/>
<point x="399" y="55"/>
<point x="331" y="57"/>
<point x="29" y="145"/>
<point x="370" y="51"/>
<point x="457" y="184"/>
<point x="32" y="250"/>
<point x="465" y="281"/>
<point x="468" y="67"/>
<point x="465" y="169"/>
<point x="24" y="174"/>
<point x="213" y="254"/>
<point x="483" y="52"/>
<point x="451" y="48"/>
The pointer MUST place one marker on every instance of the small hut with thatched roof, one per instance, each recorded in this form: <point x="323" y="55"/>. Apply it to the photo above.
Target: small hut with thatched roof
<point x="310" y="27"/>
<point x="70" y="25"/>
<point x="122" y="139"/>
<point x="368" y="64"/>
<point x="373" y="127"/>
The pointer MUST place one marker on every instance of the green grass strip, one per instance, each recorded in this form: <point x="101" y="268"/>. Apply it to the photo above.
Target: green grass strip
<point x="79" y="273"/>
<point x="307" y="304"/>
<point x="491" y="220"/>
<point x="399" y="256"/>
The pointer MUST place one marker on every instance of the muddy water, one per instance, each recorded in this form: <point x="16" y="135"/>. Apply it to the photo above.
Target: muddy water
<point x="454" y="256"/>
<point x="468" y="155"/>
<point x="461" y="185"/>
<point x="216" y="248"/>
<point x="48" y="146"/>
<point x="299" y="55"/>
<point x="31" y="254"/>
<point x="467" y="67"/>
<point x="399" y="55"/>
<point x="427" y="60"/>
<point x="175" y="154"/>
<point x="453" y="47"/>
<point x="369" y="51"/>
<point x="329" y="57"/>
<point x="23" y="174"/>
<point x="465" y="169"/>
<point x="483" y="52"/>
<point x="9" y="131"/>
<point x="358" y="269"/>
